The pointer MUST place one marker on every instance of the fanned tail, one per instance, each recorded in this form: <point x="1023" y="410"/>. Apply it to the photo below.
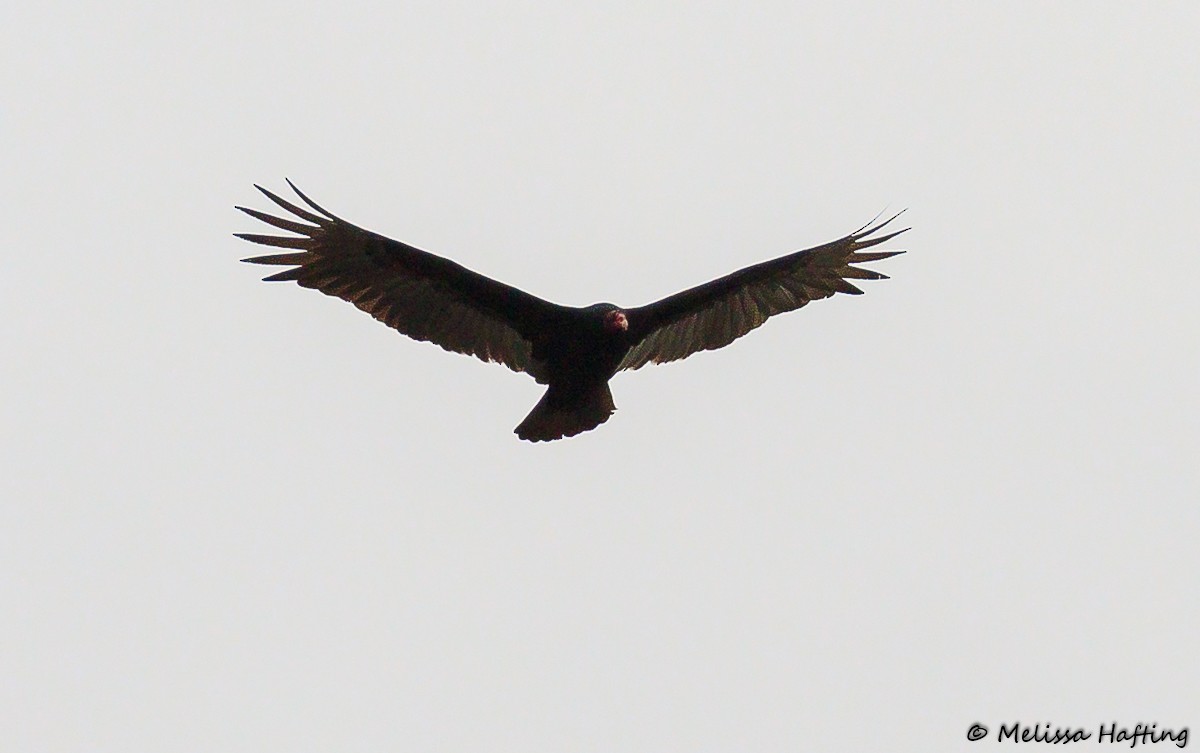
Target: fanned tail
<point x="566" y="411"/>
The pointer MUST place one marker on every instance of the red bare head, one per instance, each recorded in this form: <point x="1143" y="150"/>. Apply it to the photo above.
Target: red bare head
<point x="616" y="321"/>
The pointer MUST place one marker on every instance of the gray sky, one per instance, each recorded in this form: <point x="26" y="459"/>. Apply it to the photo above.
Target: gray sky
<point x="247" y="517"/>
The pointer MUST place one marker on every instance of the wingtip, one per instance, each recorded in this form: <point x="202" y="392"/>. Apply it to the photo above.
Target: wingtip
<point x="869" y="240"/>
<point x="263" y="259"/>
<point x="874" y="226"/>
<point x="288" y="206"/>
<point x="314" y="205"/>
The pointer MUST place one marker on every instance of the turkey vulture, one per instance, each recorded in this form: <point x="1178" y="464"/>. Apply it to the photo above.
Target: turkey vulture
<point x="574" y="351"/>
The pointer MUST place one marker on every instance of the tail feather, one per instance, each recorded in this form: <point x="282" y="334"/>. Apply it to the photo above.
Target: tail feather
<point x="565" y="412"/>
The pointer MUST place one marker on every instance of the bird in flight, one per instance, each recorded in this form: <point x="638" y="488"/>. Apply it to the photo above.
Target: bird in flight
<point x="573" y="351"/>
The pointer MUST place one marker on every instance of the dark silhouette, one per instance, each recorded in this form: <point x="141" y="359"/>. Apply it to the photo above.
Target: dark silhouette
<point x="575" y="351"/>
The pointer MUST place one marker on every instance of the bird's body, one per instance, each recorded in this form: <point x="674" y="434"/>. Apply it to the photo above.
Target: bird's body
<point x="582" y="350"/>
<point x="580" y="345"/>
<point x="574" y="351"/>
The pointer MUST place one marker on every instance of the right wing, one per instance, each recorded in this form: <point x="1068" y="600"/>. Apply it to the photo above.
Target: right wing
<point x="712" y="315"/>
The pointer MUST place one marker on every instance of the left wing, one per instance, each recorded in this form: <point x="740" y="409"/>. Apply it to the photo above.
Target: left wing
<point x="420" y="294"/>
<point x="712" y="315"/>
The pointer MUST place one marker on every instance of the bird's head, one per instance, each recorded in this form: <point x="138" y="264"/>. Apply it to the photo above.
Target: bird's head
<point x="615" y="320"/>
<point x="612" y="319"/>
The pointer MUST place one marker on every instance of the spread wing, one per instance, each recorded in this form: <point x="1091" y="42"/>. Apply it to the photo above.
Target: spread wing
<point x="712" y="315"/>
<point x="424" y="296"/>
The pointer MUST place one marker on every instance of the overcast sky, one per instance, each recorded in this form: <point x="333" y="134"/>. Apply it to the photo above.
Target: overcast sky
<point x="247" y="517"/>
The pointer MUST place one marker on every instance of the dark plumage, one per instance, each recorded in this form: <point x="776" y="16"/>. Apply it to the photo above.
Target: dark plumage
<point x="575" y="351"/>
